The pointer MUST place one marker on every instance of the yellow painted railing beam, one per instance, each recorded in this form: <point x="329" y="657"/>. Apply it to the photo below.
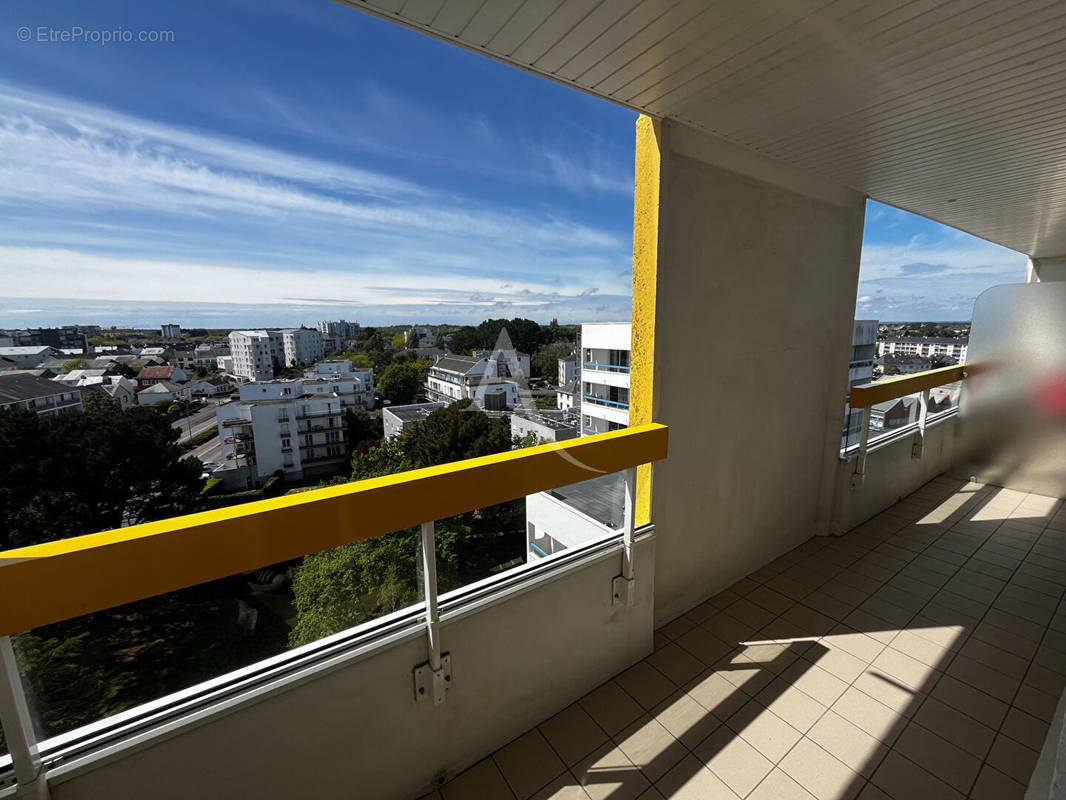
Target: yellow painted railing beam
<point x="60" y="580"/>
<point x="870" y="394"/>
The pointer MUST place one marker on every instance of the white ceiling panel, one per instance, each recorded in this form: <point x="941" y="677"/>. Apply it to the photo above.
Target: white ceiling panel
<point x="953" y="109"/>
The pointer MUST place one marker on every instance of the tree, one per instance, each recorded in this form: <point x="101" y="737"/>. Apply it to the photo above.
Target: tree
<point x="399" y="341"/>
<point x="85" y="472"/>
<point x="75" y="363"/>
<point x="400" y="384"/>
<point x="545" y="362"/>
<point x="360" y="360"/>
<point x="347" y="585"/>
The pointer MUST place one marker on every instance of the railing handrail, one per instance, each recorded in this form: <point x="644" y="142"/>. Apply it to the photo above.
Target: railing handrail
<point x="605" y="401"/>
<point x="595" y="365"/>
<point x="50" y="582"/>
<point x="870" y="394"/>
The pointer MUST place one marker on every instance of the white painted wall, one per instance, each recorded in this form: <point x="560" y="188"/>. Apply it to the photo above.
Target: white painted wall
<point x="357" y="732"/>
<point x="750" y="247"/>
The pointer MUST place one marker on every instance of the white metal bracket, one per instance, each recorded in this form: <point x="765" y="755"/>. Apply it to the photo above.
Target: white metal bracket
<point x="622" y="591"/>
<point x="433" y="683"/>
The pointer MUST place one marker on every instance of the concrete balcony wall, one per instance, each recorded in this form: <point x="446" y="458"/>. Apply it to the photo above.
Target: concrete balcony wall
<point x="356" y="731"/>
<point x="759" y="256"/>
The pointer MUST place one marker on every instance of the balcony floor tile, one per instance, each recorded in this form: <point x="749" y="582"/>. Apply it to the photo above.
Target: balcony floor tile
<point x="920" y="655"/>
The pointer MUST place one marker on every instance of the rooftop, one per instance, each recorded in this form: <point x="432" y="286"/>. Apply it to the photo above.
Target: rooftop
<point x="600" y="498"/>
<point x="21" y="386"/>
<point x="414" y="412"/>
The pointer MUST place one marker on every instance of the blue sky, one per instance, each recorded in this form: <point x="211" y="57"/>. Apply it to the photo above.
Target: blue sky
<point x="282" y="162"/>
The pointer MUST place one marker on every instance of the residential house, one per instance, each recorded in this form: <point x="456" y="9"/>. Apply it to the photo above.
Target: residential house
<point x="162" y="373"/>
<point x="544" y="425"/>
<point x="163" y="392"/>
<point x="362" y="393"/>
<point x="453" y="378"/>
<point x="46" y="398"/>
<point x="30" y="356"/>
<point x="397" y="419"/>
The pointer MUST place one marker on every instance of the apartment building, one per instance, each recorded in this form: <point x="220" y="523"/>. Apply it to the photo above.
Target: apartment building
<point x="396" y="419"/>
<point x="544" y="425"/>
<point x="454" y="378"/>
<point x="296" y="426"/>
<point x="29" y="356"/>
<point x="170" y="331"/>
<point x="362" y="392"/>
<point x="257" y="353"/>
<point x="605" y="350"/>
<point x="22" y="392"/>
<point x="860" y="371"/>
<point x="337" y="329"/>
<point x="925" y="346"/>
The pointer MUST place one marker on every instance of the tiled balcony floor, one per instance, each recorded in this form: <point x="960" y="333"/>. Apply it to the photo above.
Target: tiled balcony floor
<point x="920" y="656"/>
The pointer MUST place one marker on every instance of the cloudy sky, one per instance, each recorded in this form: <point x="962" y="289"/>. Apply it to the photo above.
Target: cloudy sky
<point x="282" y="162"/>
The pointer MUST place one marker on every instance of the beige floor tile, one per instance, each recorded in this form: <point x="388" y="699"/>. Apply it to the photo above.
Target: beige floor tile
<point x="483" y="781"/>
<point x="779" y="786"/>
<point x="744" y="673"/>
<point x="764" y="730"/>
<point x="733" y="760"/>
<point x="848" y="743"/>
<point x="837" y="662"/>
<point x="950" y="763"/>
<point x="528" y="763"/>
<point x="686" y="719"/>
<point x="573" y="734"/>
<point x="994" y="785"/>
<point x="675" y="663"/>
<point x="718" y="695"/>
<point x="951" y="724"/>
<point x="906" y="670"/>
<point x="970" y="701"/>
<point x="902" y="779"/>
<point x="690" y="780"/>
<point x="1033" y="701"/>
<point x="863" y="647"/>
<point x="922" y="648"/>
<point x="871" y="792"/>
<point x="611" y="707"/>
<point x="727" y="628"/>
<point x="995" y="658"/>
<point x="565" y="787"/>
<point x="1012" y="758"/>
<point x="650" y="747"/>
<point x="773" y="601"/>
<point x="707" y="647"/>
<point x="983" y="677"/>
<point x="792" y="705"/>
<point x="651" y="793"/>
<point x="888" y="691"/>
<point x="815" y="682"/>
<point x="647" y="685"/>
<point x="820" y="773"/>
<point x="681" y="625"/>
<point x="608" y="774"/>
<point x="865" y="712"/>
<point x="1025" y="728"/>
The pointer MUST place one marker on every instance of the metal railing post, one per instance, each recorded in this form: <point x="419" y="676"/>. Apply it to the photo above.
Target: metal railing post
<point x="864" y="440"/>
<point x="923" y="416"/>
<point x="18" y="726"/>
<point x="622" y="586"/>
<point x="434" y="677"/>
<point x="429" y="577"/>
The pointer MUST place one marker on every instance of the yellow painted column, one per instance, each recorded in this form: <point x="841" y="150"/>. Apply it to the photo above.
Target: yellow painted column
<point x="642" y="405"/>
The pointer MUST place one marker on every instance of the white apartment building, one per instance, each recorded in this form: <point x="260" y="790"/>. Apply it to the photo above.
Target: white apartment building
<point x="605" y="349"/>
<point x="454" y="378"/>
<point x="568" y="370"/>
<point x="925" y="346"/>
<point x="396" y="419"/>
<point x="863" y="352"/>
<point x="257" y="353"/>
<point x="301" y="346"/>
<point x="296" y="426"/>
<point x="170" y="331"/>
<point x="326" y="370"/>
<point x="337" y="329"/>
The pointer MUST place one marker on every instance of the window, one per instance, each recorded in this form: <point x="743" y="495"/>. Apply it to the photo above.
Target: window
<point x="285" y="443"/>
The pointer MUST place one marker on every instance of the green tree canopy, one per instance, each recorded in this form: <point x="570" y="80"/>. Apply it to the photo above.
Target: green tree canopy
<point x="342" y="587"/>
<point x="85" y="472"/>
<point x="75" y="363"/>
<point x="400" y="383"/>
<point x="545" y="362"/>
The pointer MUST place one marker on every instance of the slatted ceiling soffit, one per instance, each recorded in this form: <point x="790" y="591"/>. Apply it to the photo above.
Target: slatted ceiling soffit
<point x="953" y="109"/>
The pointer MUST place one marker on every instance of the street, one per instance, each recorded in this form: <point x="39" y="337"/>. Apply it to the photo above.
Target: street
<point x="198" y="422"/>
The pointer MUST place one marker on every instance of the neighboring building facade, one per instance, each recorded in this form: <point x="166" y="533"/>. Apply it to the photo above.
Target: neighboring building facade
<point x="161" y="373"/>
<point x="568" y="370"/>
<point x="605" y="351"/>
<point x="396" y="419"/>
<point x="30" y="356"/>
<point x="170" y="331"/>
<point x="863" y="352"/>
<point x="330" y="370"/>
<point x="926" y="347"/>
<point x="257" y="353"/>
<point x="454" y="378"/>
<point x="163" y="392"/>
<point x="546" y="426"/>
<point x="44" y="397"/>
<point x="570" y="516"/>
<point x="295" y="426"/>
<point x="338" y="329"/>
